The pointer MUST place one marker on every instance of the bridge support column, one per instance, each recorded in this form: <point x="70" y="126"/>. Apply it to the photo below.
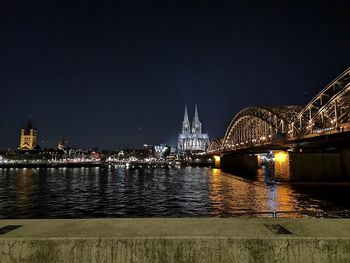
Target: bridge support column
<point x="240" y="163"/>
<point x="345" y="161"/>
<point x="217" y="161"/>
<point x="320" y="166"/>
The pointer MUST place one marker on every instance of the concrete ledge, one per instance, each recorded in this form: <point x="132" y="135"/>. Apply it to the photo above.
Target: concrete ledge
<point x="175" y="240"/>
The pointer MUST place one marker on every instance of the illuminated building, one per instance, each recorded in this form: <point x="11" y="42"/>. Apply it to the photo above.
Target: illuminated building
<point x="28" y="137"/>
<point x="192" y="139"/>
<point x="61" y="145"/>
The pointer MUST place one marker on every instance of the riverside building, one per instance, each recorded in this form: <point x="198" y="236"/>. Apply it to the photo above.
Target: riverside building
<point x="28" y="139"/>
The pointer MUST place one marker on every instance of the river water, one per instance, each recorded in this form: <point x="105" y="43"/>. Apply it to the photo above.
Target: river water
<point x="179" y="192"/>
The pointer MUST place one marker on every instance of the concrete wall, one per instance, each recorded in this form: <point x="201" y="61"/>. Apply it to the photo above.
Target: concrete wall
<point x="175" y="240"/>
<point x="240" y="163"/>
<point x="320" y="166"/>
<point x="174" y="250"/>
<point x="345" y="162"/>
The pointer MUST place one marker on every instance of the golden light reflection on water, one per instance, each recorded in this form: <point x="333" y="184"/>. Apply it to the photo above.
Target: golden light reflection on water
<point x="260" y="174"/>
<point x="284" y="198"/>
<point x="24" y="186"/>
<point x="232" y="193"/>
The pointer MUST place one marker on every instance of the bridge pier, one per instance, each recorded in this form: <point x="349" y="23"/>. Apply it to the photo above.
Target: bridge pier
<point x="292" y="166"/>
<point x="320" y="166"/>
<point x="240" y="163"/>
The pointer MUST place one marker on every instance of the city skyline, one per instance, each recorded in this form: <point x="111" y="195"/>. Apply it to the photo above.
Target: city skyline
<point x="28" y="135"/>
<point x="112" y="76"/>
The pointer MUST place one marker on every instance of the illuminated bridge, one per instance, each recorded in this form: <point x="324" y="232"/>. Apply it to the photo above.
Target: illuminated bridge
<point x="328" y="113"/>
<point x="315" y="139"/>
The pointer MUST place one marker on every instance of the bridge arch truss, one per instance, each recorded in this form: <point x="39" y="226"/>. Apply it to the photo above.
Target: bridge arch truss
<point x="329" y="111"/>
<point x="259" y="125"/>
<point x="215" y="145"/>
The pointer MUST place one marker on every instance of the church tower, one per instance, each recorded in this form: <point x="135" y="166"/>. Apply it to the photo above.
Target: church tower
<point x="61" y="144"/>
<point x="196" y="124"/>
<point x="186" y="123"/>
<point x="28" y="137"/>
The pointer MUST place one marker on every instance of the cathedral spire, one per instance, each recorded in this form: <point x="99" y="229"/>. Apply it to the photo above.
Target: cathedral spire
<point x="196" y="124"/>
<point x="196" y="118"/>
<point x="186" y="122"/>
<point x="186" y="115"/>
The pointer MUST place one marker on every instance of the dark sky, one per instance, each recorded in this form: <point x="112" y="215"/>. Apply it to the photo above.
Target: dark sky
<point x="114" y="75"/>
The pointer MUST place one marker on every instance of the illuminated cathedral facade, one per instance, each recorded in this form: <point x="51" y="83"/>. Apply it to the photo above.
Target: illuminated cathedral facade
<point x="28" y="137"/>
<point x="192" y="138"/>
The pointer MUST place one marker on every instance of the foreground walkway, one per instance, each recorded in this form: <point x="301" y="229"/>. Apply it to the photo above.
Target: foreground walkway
<point x="175" y="240"/>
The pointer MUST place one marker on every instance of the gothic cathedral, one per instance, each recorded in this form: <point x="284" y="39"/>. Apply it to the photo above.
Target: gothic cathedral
<point x="192" y="139"/>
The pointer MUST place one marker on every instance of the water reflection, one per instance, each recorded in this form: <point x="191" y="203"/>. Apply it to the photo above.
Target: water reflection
<point x="231" y="194"/>
<point x="24" y="184"/>
<point x="114" y="192"/>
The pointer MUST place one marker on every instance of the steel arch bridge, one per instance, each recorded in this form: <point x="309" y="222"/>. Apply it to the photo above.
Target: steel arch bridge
<point x="328" y="112"/>
<point x="216" y="144"/>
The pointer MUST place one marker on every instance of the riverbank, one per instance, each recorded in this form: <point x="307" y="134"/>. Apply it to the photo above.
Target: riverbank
<point x="50" y="165"/>
<point x="176" y="240"/>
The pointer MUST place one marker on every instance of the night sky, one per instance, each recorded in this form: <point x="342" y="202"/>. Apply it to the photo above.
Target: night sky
<point x="112" y="75"/>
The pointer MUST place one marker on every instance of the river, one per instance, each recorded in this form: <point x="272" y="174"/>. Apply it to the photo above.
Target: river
<point x="179" y="192"/>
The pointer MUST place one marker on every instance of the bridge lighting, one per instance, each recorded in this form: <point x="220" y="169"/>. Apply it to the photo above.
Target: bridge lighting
<point x="281" y="156"/>
<point x="217" y="158"/>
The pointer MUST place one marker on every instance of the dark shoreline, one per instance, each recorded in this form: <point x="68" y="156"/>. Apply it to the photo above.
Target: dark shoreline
<point x="48" y="165"/>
